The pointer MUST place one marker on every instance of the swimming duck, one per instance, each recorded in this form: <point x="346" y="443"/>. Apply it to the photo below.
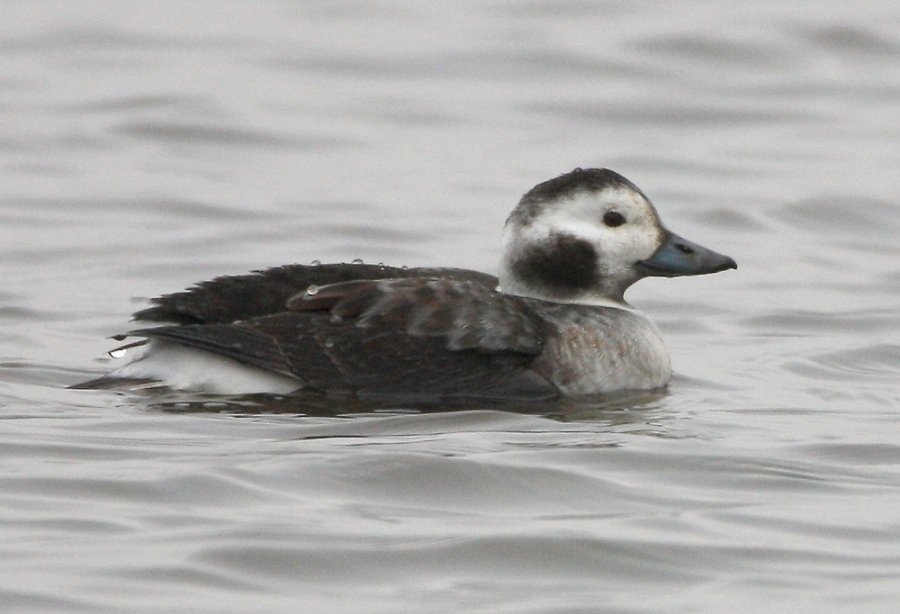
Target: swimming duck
<point x="553" y="323"/>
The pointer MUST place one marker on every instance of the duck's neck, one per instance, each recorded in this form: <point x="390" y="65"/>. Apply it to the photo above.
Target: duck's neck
<point x="597" y="297"/>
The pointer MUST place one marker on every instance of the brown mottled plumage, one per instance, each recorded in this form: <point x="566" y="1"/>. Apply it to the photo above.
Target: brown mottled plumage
<point x="554" y="323"/>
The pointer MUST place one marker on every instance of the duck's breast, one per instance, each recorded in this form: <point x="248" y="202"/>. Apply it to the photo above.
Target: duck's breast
<point x="598" y="350"/>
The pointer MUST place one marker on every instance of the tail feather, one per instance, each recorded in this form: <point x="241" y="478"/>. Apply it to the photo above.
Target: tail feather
<point x="108" y="382"/>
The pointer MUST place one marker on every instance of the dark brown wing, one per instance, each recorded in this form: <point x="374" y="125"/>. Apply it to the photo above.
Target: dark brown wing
<point x="420" y="337"/>
<point x="468" y="316"/>
<point x="239" y="297"/>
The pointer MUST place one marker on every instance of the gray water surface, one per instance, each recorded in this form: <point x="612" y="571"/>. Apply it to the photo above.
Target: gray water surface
<point x="145" y="147"/>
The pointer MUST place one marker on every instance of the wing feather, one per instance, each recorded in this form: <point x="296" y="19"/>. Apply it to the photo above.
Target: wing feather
<point x="238" y="297"/>
<point x="469" y="316"/>
<point x="422" y="336"/>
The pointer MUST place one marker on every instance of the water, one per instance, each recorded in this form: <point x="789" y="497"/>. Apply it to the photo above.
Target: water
<point x="145" y="147"/>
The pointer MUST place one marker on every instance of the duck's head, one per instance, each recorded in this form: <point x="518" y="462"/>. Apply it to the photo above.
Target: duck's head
<point x="586" y="236"/>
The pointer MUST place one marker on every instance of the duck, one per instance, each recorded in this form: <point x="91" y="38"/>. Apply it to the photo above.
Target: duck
<point x="552" y="323"/>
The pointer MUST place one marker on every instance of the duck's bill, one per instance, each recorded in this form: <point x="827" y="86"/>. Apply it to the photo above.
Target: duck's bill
<point x="678" y="256"/>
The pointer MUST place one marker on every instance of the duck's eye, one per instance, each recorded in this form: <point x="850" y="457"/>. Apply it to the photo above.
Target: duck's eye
<point x="613" y="219"/>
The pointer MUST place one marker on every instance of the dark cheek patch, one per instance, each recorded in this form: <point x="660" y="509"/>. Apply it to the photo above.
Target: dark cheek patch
<point x="563" y="264"/>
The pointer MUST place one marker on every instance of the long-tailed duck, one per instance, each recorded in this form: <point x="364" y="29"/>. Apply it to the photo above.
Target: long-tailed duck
<point x="555" y="322"/>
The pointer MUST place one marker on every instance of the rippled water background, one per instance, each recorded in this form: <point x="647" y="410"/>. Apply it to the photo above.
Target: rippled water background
<point x="145" y="146"/>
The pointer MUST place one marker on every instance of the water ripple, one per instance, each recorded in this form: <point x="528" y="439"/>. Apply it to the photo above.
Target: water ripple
<point x="149" y="149"/>
<point x="225" y="135"/>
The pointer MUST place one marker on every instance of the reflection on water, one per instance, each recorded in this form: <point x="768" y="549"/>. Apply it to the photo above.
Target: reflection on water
<point x="622" y="408"/>
<point x="146" y="150"/>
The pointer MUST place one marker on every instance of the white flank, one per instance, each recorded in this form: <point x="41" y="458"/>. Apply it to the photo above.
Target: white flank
<point x="184" y="368"/>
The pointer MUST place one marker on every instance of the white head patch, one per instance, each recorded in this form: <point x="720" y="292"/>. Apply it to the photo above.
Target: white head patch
<point x="579" y="239"/>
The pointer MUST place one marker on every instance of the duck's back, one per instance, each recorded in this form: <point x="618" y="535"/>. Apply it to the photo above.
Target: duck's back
<point x="230" y="298"/>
